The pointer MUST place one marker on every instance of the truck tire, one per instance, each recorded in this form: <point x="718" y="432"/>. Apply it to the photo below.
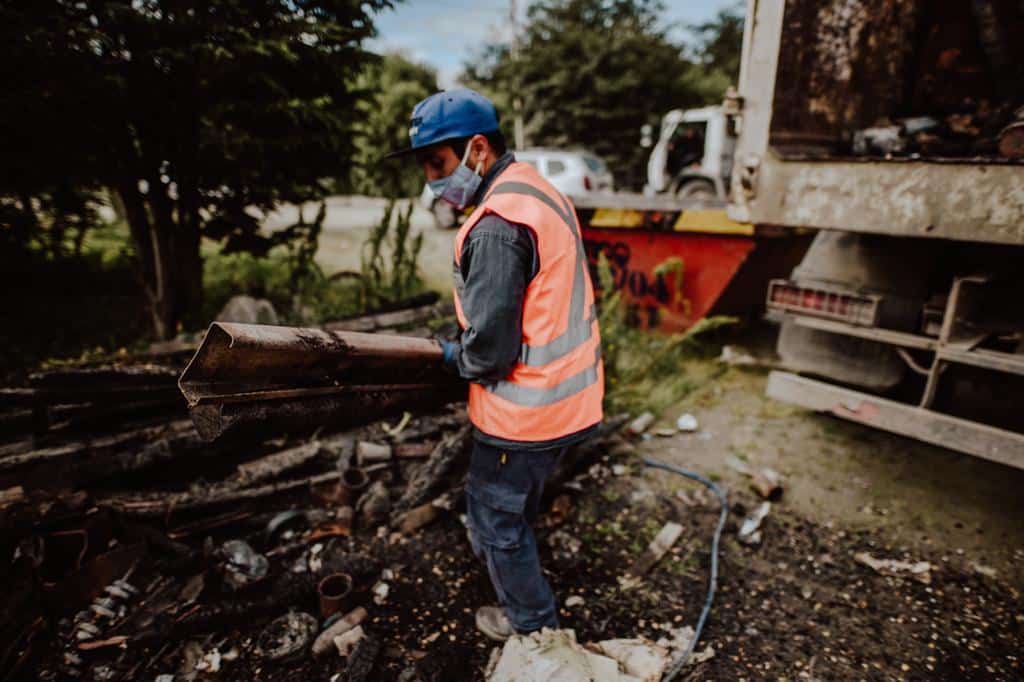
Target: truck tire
<point x="696" y="189"/>
<point x="897" y="269"/>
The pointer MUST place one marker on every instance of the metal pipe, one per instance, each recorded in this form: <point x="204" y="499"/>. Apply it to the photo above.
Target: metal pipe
<point x="352" y="484"/>
<point x="334" y="591"/>
<point x="266" y="377"/>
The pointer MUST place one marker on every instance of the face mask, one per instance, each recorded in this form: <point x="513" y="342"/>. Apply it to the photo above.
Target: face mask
<point x="459" y="187"/>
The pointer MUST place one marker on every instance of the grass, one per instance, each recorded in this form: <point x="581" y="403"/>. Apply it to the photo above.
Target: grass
<point x="303" y="293"/>
<point x="646" y="370"/>
<point x="300" y="295"/>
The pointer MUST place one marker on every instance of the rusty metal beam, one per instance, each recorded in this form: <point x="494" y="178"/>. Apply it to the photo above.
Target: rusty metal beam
<point x="248" y="376"/>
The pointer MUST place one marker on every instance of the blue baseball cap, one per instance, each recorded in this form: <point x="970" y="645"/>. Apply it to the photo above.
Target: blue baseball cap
<point x="449" y="115"/>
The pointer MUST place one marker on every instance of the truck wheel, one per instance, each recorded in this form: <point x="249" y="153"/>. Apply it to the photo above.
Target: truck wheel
<point x="445" y="217"/>
<point x="897" y="269"/>
<point x="701" y="190"/>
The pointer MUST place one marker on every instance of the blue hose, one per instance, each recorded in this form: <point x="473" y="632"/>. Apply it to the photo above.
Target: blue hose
<point x="678" y="664"/>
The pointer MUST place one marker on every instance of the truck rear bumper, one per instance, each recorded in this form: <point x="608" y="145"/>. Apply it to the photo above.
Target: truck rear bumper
<point x="923" y="424"/>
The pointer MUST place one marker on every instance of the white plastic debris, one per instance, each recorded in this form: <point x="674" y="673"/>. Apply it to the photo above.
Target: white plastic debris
<point x="287" y="635"/>
<point x="620" y="469"/>
<point x="679" y="641"/>
<point x="641" y="423"/>
<point x="243" y="565"/>
<point x="641" y="658"/>
<point x="750" y="531"/>
<point x="982" y="569"/>
<point x="346" y="641"/>
<point x="556" y="656"/>
<point x="919" y="570"/>
<point x="738" y="465"/>
<point x="380" y="592"/>
<point x="573" y="601"/>
<point x="687" y="423"/>
<point x="210" y="662"/>
<point x="656" y="549"/>
<point x="325" y="639"/>
<point x="737" y="357"/>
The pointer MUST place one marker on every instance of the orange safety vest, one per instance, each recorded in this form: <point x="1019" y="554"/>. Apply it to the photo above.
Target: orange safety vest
<point x="557" y="384"/>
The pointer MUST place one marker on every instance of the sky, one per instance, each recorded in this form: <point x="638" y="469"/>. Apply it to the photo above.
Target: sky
<point x="445" y="34"/>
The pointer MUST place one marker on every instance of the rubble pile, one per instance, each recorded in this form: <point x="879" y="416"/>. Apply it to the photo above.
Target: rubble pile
<point x="979" y="129"/>
<point x="132" y="542"/>
<point x="129" y="533"/>
<point x="134" y="548"/>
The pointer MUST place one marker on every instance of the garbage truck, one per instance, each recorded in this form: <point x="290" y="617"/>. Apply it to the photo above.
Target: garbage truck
<point x="895" y="132"/>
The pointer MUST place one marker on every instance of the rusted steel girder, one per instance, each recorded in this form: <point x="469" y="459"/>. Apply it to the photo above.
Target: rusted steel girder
<point x="246" y="376"/>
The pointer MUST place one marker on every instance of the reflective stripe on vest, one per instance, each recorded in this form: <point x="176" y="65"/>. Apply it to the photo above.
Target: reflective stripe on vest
<point x="529" y="396"/>
<point x="580" y="327"/>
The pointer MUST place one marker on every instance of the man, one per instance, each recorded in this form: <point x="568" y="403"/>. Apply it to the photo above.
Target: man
<point x="529" y="341"/>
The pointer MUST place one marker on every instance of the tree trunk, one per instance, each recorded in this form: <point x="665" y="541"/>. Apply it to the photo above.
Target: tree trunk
<point x="168" y="259"/>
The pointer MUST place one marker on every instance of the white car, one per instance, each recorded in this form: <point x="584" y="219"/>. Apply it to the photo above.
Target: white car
<point x="571" y="172"/>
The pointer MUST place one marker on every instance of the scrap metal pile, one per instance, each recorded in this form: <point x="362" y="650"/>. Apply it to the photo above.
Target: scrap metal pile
<point x="901" y="80"/>
<point x="132" y="532"/>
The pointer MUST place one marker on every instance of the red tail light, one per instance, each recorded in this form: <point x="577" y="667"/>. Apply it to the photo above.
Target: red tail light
<point x="586" y="183"/>
<point x="838" y="305"/>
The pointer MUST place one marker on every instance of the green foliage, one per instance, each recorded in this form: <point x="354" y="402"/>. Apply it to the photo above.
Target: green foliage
<point x="300" y="296"/>
<point x="288" y="276"/>
<point x="720" y="43"/>
<point x="396" y="84"/>
<point x="64" y="306"/>
<point x="198" y="115"/>
<point x="592" y="73"/>
<point x="390" y="270"/>
<point x="49" y="220"/>
<point x="646" y="370"/>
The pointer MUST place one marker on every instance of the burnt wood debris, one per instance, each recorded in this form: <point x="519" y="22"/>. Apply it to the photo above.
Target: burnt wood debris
<point x="150" y="501"/>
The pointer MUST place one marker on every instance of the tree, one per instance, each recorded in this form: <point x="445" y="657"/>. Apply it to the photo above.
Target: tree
<point x="591" y="73"/>
<point x="198" y="114"/>
<point x="395" y="84"/>
<point x="720" y="42"/>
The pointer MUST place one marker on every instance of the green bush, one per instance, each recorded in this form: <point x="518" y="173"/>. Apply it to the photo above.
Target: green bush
<point x="647" y="370"/>
<point x="301" y="294"/>
<point x="66" y="306"/>
<point x="289" y="277"/>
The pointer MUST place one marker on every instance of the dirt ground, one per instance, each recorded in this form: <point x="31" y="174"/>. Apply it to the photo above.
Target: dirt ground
<point x="796" y="606"/>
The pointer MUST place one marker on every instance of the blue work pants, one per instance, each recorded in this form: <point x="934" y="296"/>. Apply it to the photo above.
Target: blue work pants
<point x="502" y="500"/>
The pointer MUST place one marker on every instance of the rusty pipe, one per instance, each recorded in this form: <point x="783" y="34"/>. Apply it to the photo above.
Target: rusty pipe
<point x="253" y="377"/>
<point x="335" y="591"/>
<point x="352" y="484"/>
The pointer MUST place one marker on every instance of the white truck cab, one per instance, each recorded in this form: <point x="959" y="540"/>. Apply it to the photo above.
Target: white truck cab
<point x="693" y="155"/>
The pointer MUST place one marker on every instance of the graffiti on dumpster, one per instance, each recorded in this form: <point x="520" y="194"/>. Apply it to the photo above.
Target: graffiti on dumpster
<point x="650" y="290"/>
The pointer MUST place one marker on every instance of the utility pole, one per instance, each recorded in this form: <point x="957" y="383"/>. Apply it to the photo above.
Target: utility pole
<point x="517" y="99"/>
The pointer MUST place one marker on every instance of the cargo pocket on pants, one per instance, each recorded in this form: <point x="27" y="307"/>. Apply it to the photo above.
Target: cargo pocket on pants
<point x="495" y="514"/>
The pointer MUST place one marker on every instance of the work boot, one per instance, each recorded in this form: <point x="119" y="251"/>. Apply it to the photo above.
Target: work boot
<point x="492" y="621"/>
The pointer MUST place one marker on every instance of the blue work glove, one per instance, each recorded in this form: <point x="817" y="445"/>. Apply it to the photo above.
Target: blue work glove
<point x="448" y="349"/>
